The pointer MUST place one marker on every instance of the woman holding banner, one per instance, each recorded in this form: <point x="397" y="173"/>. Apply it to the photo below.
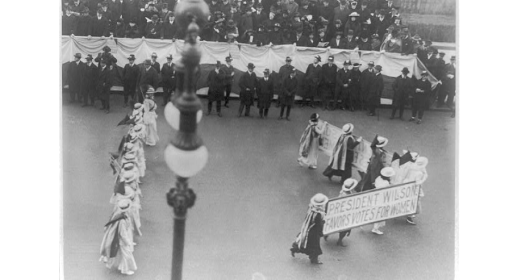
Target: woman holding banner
<point x="343" y="155"/>
<point x="382" y="181"/>
<point x="307" y="242"/>
<point x="418" y="173"/>
<point x="347" y="189"/>
<point x="309" y="143"/>
<point x="377" y="162"/>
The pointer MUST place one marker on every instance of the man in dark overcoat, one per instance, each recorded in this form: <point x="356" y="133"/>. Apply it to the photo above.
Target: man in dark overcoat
<point x="365" y="81"/>
<point x="355" y="86"/>
<point x="289" y="89"/>
<point x="167" y="73"/>
<point x="74" y="77"/>
<point x="130" y="75"/>
<point x="216" y="79"/>
<point x="89" y="82"/>
<point x="229" y="74"/>
<point x="248" y="85"/>
<point x="147" y="76"/>
<point x="284" y="72"/>
<point x="403" y="88"/>
<point x="265" y="94"/>
<point x="107" y="56"/>
<point x="104" y="85"/>
<point x="375" y="90"/>
<point x="343" y="87"/>
<point x="328" y="81"/>
<point x="421" y="97"/>
<point x="312" y="79"/>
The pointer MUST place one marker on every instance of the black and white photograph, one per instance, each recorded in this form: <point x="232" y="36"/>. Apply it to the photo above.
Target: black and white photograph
<point x="259" y="139"/>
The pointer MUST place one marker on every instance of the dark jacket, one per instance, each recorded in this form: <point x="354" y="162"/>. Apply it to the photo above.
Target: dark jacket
<point x="228" y="70"/>
<point x="421" y="98"/>
<point x="166" y="73"/>
<point x="110" y="59"/>
<point x="376" y="86"/>
<point x="130" y="74"/>
<point x="169" y="31"/>
<point x="104" y="83"/>
<point x="83" y="26"/>
<point x="99" y="27"/>
<point x="69" y="24"/>
<point x="341" y="45"/>
<point x="343" y="77"/>
<point x="403" y="88"/>
<point x="289" y="90"/>
<point x="216" y="85"/>
<point x="130" y="9"/>
<point x="74" y="75"/>
<point x="247" y="81"/>
<point x="265" y="92"/>
<point x="366" y="80"/>
<point x="329" y="74"/>
<point x="313" y="74"/>
<point x="132" y="32"/>
<point x="153" y="30"/>
<point x="149" y="77"/>
<point x="90" y="77"/>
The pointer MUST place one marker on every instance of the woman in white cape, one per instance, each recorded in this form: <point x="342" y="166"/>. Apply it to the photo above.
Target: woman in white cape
<point x="309" y="143"/>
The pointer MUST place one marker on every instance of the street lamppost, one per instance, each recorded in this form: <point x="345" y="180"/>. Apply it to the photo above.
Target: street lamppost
<point x="186" y="154"/>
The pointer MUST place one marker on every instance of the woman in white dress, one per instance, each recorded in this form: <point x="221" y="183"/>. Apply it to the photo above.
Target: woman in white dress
<point x="418" y="173"/>
<point x="132" y="195"/>
<point x="150" y="119"/>
<point x="139" y="150"/>
<point x="117" y="246"/>
<point x="309" y="143"/>
<point x="382" y="181"/>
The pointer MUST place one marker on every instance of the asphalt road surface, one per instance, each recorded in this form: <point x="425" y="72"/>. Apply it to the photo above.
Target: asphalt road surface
<point x="252" y="197"/>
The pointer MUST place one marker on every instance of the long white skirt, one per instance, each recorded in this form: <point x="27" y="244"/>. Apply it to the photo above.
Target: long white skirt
<point x="310" y="161"/>
<point x="150" y="120"/>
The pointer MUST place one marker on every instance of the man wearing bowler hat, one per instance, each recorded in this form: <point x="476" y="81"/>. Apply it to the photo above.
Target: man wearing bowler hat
<point x="375" y="90"/>
<point x="421" y="96"/>
<point x="289" y="89"/>
<point x="247" y="84"/>
<point x="312" y="80"/>
<point x="265" y="93"/>
<point x="328" y="82"/>
<point x="215" y="80"/>
<point x="229" y="75"/>
<point x="167" y="72"/>
<point x="284" y="72"/>
<point x="89" y="81"/>
<point x="74" y="78"/>
<point x="403" y="88"/>
<point x="130" y="75"/>
<point x="104" y="85"/>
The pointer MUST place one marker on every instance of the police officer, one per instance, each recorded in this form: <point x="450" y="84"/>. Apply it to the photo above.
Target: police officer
<point x="89" y="81"/>
<point x="312" y="81"/>
<point x="104" y="85"/>
<point x="130" y="75"/>
<point x="74" y="77"/>
<point x="167" y="72"/>
<point x="421" y="96"/>
<point x="343" y="86"/>
<point x="216" y="80"/>
<point x="375" y="90"/>
<point x="403" y="88"/>
<point x="248" y="85"/>
<point x="284" y="72"/>
<point x="329" y="76"/>
<point x="228" y="79"/>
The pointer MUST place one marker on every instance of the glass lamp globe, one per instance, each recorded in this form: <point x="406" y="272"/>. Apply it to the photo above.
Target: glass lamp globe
<point x="172" y="115"/>
<point x="186" y="163"/>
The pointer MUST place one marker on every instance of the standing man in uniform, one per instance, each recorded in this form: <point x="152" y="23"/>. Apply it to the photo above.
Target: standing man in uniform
<point x="265" y="93"/>
<point x="421" y="96"/>
<point x="229" y="74"/>
<point x="74" y="77"/>
<point x="216" y="88"/>
<point x="248" y="85"/>
<point x="104" y="85"/>
<point x="130" y="75"/>
<point x="284" y="72"/>
<point x="89" y="83"/>
<point x="288" y="95"/>
<point x="403" y="88"/>
<point x="329" y="75"/>
<point x="375" y="90"/>
<point x="166" y="73"/>
<point x="154" y="62"/>
<point x="343" y="87"/>
<point x="312" y="81"/>
<point x="355" y="86"/>
<point x="147" y="76"/>
<point x="365" y="81"/>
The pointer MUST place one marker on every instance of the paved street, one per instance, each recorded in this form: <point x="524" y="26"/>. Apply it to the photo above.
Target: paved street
<point x="252" y="198"/>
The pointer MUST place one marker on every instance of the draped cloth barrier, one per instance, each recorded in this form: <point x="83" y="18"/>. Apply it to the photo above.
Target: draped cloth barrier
<point x="262" y="57"/>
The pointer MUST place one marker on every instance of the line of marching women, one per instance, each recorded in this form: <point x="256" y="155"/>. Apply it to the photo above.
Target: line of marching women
<point x="404" y="168"/>
<point x="129" y="165"/>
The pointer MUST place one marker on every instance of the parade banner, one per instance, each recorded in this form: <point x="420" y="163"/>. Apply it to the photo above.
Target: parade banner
<point x="362" y="152"/>
<point x="344" y="213"/>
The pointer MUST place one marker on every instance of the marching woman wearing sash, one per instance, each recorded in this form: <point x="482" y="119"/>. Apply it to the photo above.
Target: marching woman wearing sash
<point x="307" y="242"/>
<point x="376" y="163"/>
<point x="382" y="181"/>
<point x="117" y="246"/>
<point x="150" y="118"/>
<point x="343" y="155"/>
<point x="309" y="143"/>
<point x="347" y="189"/>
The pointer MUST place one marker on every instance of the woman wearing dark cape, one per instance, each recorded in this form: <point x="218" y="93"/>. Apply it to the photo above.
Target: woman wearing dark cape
<point x="343" y="155"/>
<point x="308" y="240"/>
<point x="376" y="163"/>
<point x="309" y="143"/>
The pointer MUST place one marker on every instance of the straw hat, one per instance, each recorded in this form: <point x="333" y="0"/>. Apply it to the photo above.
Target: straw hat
<point x="421" y="162"/>
<point x="381" y="141"/>
<point x="388" y="172"/>
<point x="349" y="184"/>
<point x="124" y="204"/>
<point x="348" y="128"/>
<point x="319" y="199"/>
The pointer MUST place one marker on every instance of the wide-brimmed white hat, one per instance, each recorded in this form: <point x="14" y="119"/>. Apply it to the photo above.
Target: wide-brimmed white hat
<point x="133" y="137"/>
<point x="421" y="162"/>
<point x="128" y="146"/>
<point x="138" y="127"/>
<point x="319" y="199"/>
<point x="348" y="128"/>
<point x="388" y="172"/>
<point x="129" y="156"/>
<point x="349" y="184"/>
<point x="381" y="141"/>
<point x="137" y="106"/>
<point x="414" y="155"/>
<point x="128" y="176"/>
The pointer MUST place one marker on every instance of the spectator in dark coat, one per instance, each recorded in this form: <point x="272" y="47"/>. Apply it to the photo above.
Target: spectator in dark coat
<point x="421" y="96"/>
<point x="326" y="12"/>
<point x="114" y="10"/>
<point x="312" y="40"/>
<point x="119" y="30"/>
<point x="259" y="16"/>
<point x="74" y="77"/>
<point x="229" y="74"/>
<point x="153" y="28"/>
<point x="365" y="81"/>
<point x="328" y="82"/>
<point x="265" y="93"/>
<point x="247" y="85"/>
<point x="99" y="26"/>
<point x="350" y="41"/>
<point x="147" y="76"/>
<point x="261" y="37"/>
<point x="341" y="13"/>
<point x="130" y="76"/>
<point x="448" y="88"/>
<point x="216" y="79"/>
<point x="338" y="42"/>
<point x="248" y="38"/>
<point x="403" y="89"/>
<point x="335" y="28"/>
<point x="154" y="62"/>
<point x="69" y="23"/>
<point x="169" y="28"/>
<point x="275" y="37"/>
<point x="364" y="42"/>
<point x="132" y="30"/>
<point x="353" y="24"/>
<point x="289" y="90"/>
<point x="312" y="80"/>
<point x="76" y="7"/>
<point x="167" y="73"/>
<point x="380" y="24"/>
<point x="343" y="79"/>
<point x="130" y="10"/>
<point x="84" y="23"/>
<point x="375" y="90"/>
<point x="284" y="72"/>
<point x="104" y="85"/>
<point x="89" y="81"/>
<point x="431" y="61"/>
<point x="355" y="86"/>
<point x="302" y="39"/>
<point x="107" y="56"/>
